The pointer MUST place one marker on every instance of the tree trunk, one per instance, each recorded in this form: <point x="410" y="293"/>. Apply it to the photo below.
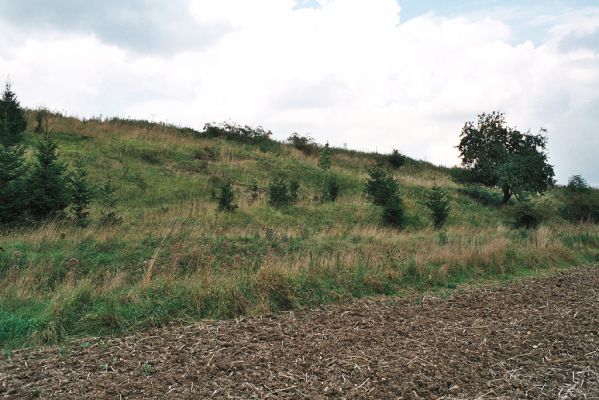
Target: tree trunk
<point x="507" y="194"/>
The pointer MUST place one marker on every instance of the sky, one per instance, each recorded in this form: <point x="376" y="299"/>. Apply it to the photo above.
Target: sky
<point x="371" y="75"/>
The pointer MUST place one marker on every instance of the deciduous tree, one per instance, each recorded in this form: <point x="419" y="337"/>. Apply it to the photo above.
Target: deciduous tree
<point x="496" y="155"/>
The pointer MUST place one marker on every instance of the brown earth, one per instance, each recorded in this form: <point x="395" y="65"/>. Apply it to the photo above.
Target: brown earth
<point x="536" y="338"/>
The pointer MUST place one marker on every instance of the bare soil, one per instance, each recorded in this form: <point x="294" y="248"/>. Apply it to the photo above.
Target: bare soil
<point x="534" y="338"/>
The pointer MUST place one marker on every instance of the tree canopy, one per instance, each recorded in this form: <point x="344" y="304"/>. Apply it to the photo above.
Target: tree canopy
<point x="496" y="155"/>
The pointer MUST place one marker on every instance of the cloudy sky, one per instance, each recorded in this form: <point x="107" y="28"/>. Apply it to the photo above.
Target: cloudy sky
<point x="375" y="75"/>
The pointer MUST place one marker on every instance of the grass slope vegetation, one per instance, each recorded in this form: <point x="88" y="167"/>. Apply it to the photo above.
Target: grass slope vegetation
<point x="175" y="257"/>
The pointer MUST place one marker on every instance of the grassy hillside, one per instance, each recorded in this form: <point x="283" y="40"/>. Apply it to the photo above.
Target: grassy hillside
<point x="176" y="258"/>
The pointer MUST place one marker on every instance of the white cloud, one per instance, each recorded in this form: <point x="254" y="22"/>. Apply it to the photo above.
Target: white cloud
<point x="347" y="72"/>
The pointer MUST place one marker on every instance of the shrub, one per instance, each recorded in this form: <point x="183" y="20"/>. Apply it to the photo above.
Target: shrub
<point x="581" y="207"/>
<point x="438" y="204"/>
<point x="526" y="215"/>
<point x="282" y="193"/>
<point x="207" y="153"/>
<point x="577" y="184"/>
<point x="483" y="196"/>
<point x="226" y="197"/>
<point x="396" y="159"/>
<point x="305" y="144"/>
<point x="237" y="133"/>
<point x="331" y="189"/>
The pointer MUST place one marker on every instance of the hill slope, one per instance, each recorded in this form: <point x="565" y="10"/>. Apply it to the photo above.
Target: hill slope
<point x="176" y="257"/>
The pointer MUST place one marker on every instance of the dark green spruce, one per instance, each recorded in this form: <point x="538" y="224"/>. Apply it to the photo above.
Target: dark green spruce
<point x="12" y="119"/>
<point x="438" y="204"/>
<point x="48" y="185"/>
<point x="81" y="194"/>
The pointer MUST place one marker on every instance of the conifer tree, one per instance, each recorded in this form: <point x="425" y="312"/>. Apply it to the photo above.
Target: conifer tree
<point x="294" y="187"/>
<point x="41" y="121"/>
<point x="393" y="212"/>
<point x="438" y="205"/>
<point x="81" y="194"/>
<point x="396" y="159"/>
<point x="12" y="184"/>
<point x="331" y="189"/>
<point x="281" y="193"/>
<point x="12" y="118"/>
<point x="109" y="214"/>
<point x="325" y="158"/>
<point x="381" y="185"/>
<point x="254" y="191"/>
<point x="226" y="197"/>
<point x="383" y="190"/>
<point x="47" y="186"/>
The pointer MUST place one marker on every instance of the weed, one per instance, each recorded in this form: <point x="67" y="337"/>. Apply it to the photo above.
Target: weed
<point x="147" y="369"/>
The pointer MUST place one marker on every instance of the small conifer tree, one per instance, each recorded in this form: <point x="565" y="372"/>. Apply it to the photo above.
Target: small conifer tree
<point x="294" y="188"/>
<point x="393" y="212"/>
<point x="47" y="186"/>
<point x="12" y="184"/>
<point x="41" y="121"/>
<point x="12" y="118"/>
<point x="254" y="191"/>
<point x="381" y="185"/>
<point x="109" y="214"/>
<point x="396" y="159"/>
<point x="278" y="195"/>
<point x="324" y="161"/>
<point x="226" y="197"/>
<point x="281" y="193"/>
<point x="438" y="204"/>
<point x="331" y="189"/>
<point x="81" y="194"/>
<point x="383" y="190"/>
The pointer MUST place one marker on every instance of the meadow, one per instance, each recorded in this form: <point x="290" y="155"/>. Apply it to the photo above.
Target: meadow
<point x="176" y="258"/>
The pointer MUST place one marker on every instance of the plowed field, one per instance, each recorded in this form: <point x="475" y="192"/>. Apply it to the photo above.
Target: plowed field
<point x="534" y="338"/>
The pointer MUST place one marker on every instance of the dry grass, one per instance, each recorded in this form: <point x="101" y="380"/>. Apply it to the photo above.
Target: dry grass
<point x="177" y="257"/>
